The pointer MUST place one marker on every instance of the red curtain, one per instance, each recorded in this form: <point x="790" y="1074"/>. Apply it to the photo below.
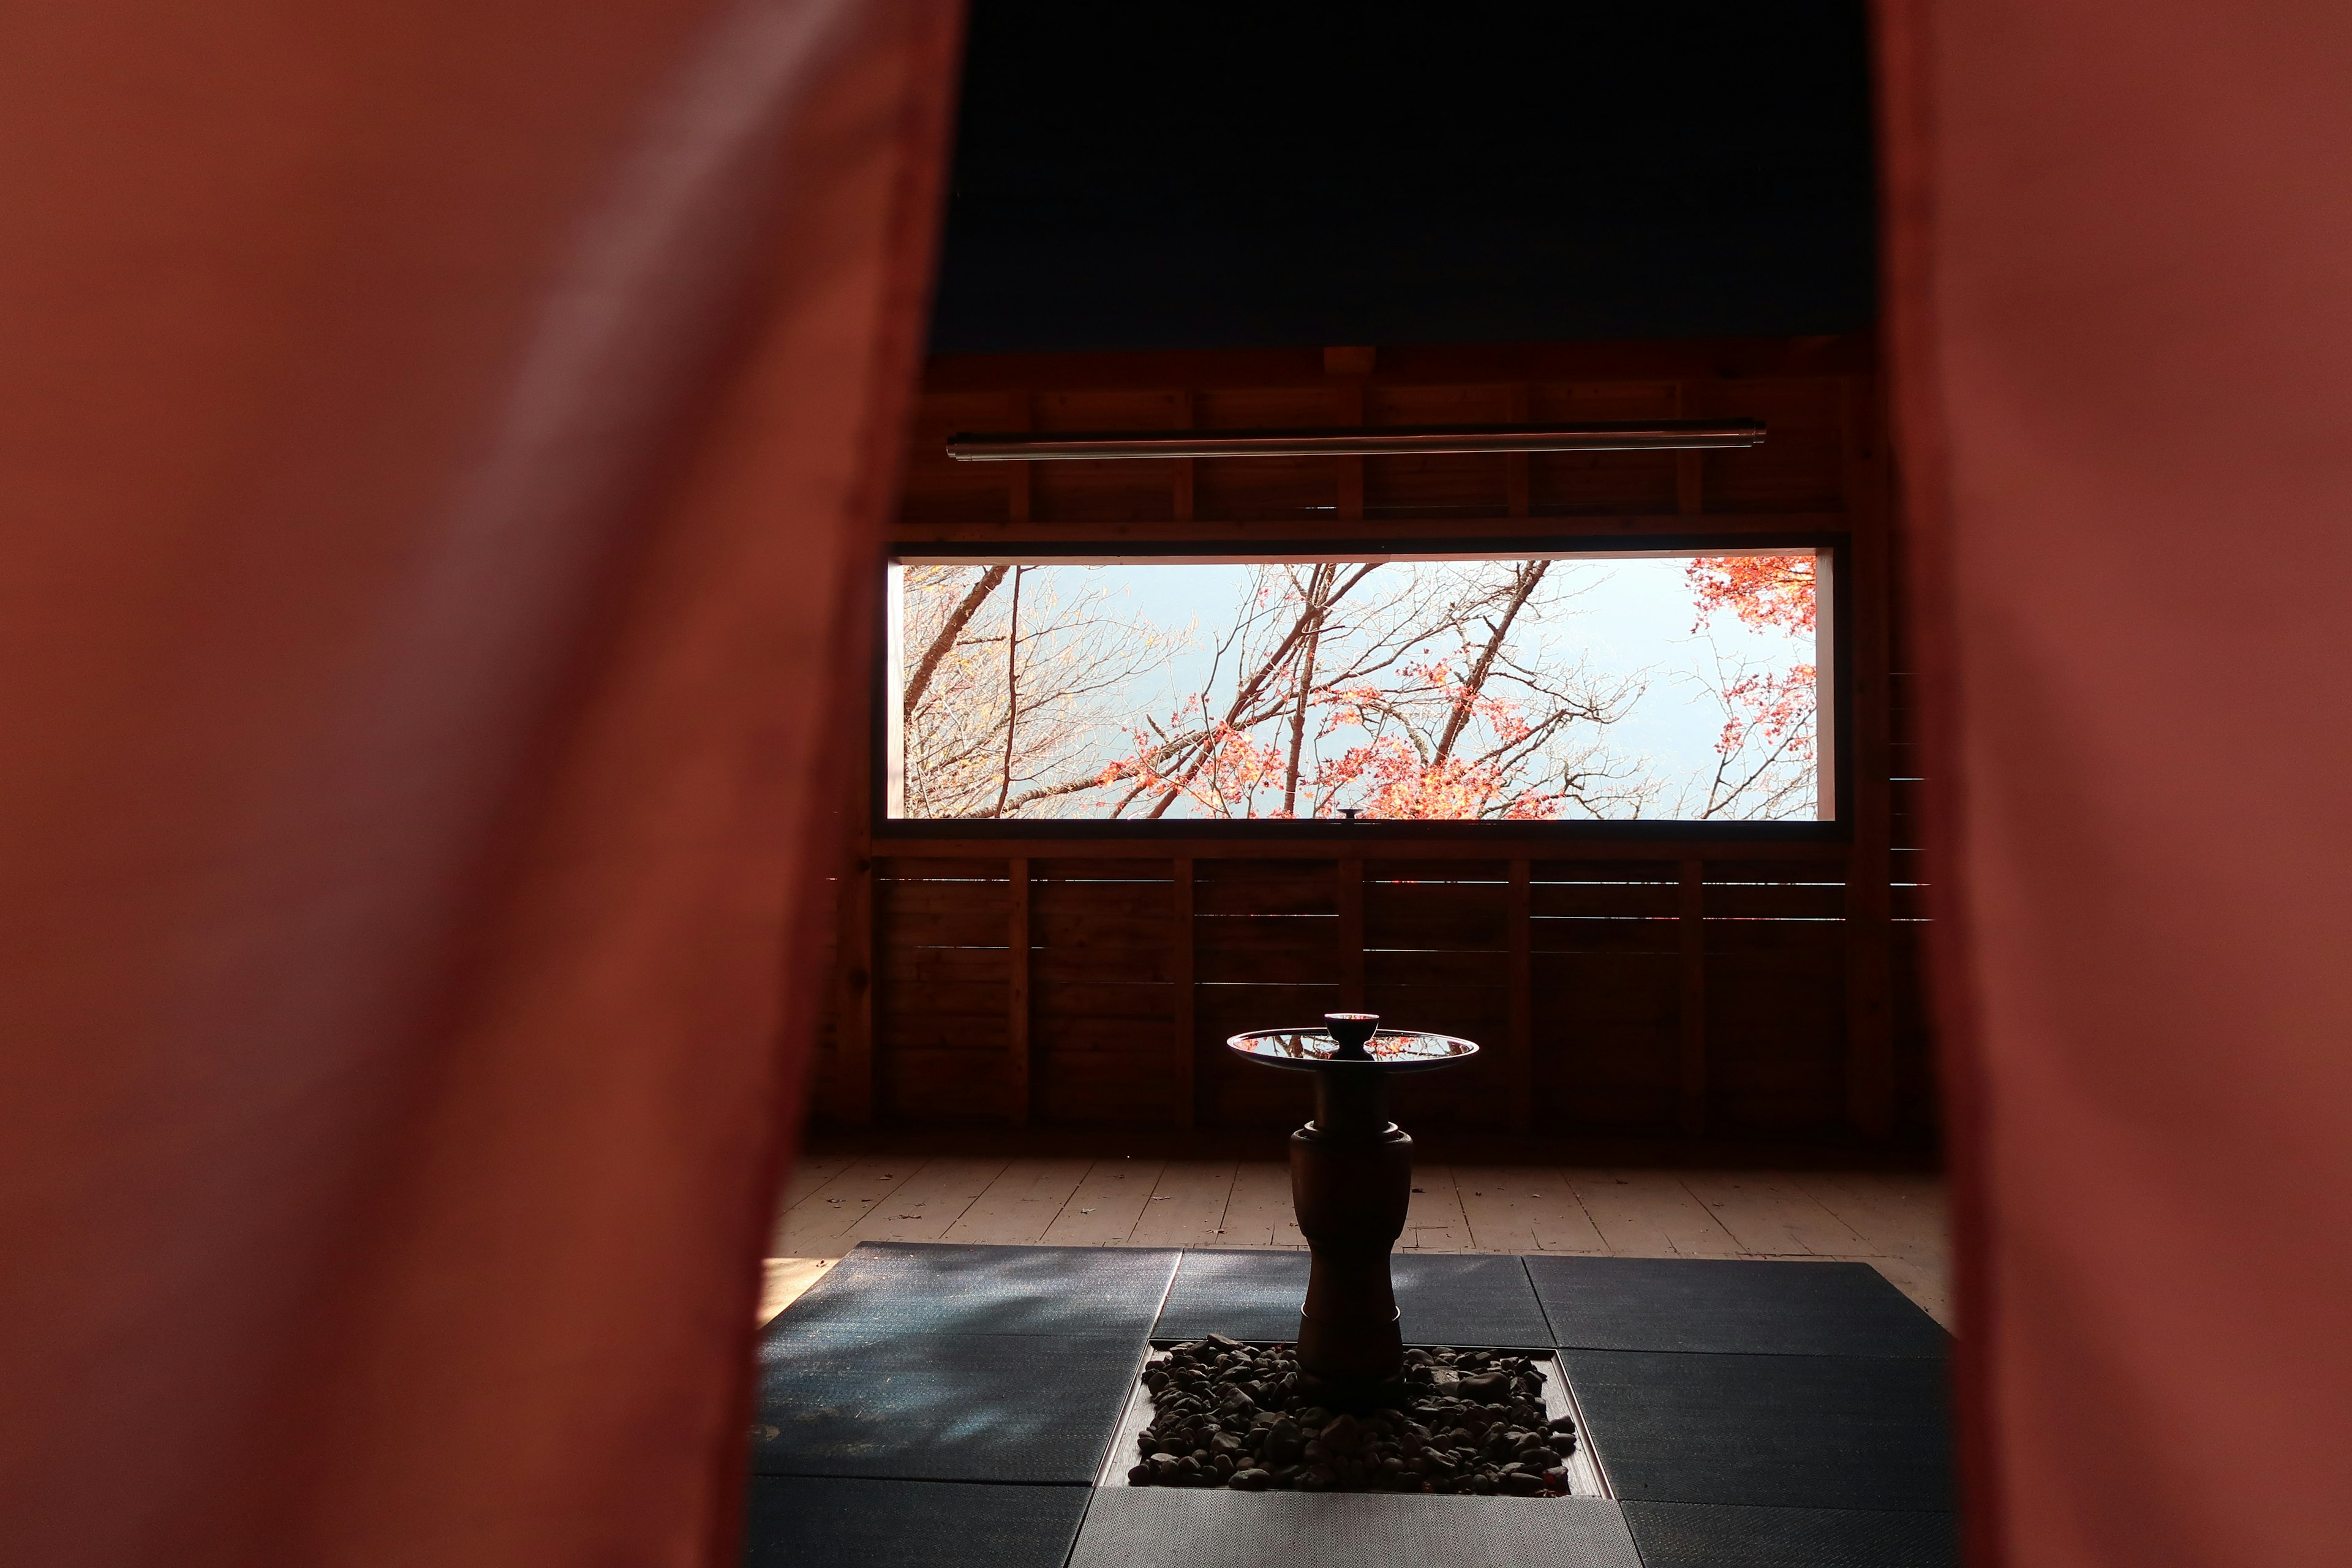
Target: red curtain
<point x="445" y="450"/>
<point x="2121" y="290"/>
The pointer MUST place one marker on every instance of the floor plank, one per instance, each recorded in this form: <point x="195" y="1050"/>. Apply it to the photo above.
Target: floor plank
<point x="810" y="1175"/>
<point x="1434" y="1220"/>
<point x="1771" y="1217"/>
<point x="922" y="1209"/>
<point x="819" y="1226"/>
<point x="1895" y="1216"/>
<point x="783" y="1280"/>
<point x="1104" y="1209"/>
<point x="1259" y="1213"/>
<point x="1021" y="1205"/>
<point x="1650" y="1214"/>
<point x="1187" y="1207"/>
<point x="1525" y="1209"/>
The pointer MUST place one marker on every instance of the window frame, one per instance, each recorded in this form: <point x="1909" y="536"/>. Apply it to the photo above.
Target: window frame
<point x="1835" y="684"/>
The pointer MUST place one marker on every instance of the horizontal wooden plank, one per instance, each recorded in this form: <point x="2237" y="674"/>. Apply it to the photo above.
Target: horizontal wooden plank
<point x="1058" y="868"/>
<point x="1311" y="891"/>
<point x="1301" y="934"/>
<point x="1440" y="915"/>
<point x="1766" y="994"/>
<point x="972" y="1033"/>
<point x="1580" y="513"/>
<point x="1764" y="869"/>
<point x="1084" y="932"/>
<point x="1784" y="935"/>
<point x="1223" y="1010"/>
<point x="1103" y="1034"/>
<point x="1583" y="1019"/>
<point x="1072" y="902"/>
<point x="1610" y="900"/>
<point x="1408" y="967"/>
<point x="1250" y="965"/>
<point x="902" y="995"/>
<point x="1625" y="1112"/>
<point x="1582" y="1015"/>
<point x="1059" y="965"/>
<point x="917" y="898"/>
<point x="1583" y="374"/>
<point x="922" y="1084"/>
<point x="1103" y="1088"/>
<point x="943" y="965"/>
<point x="989" y="864"/>
<point x="1775" y="900"/>
<point x="975" y="928"/>
<point x="1099" y="999"/>
<point x="1649" y="1064"/>
<point x="1560" y="866"/>
<point x="1421" y="1006"/>
<point x="1584" y="937"/>
<point x="1212" y="856"/>
<point x="1424" y="873"/>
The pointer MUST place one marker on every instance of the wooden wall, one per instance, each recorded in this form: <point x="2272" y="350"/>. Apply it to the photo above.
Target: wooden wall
<point x="1745" y="988"/>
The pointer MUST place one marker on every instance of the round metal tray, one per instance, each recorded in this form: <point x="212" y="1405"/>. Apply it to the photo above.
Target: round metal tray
<point x="1388" y="1050"/>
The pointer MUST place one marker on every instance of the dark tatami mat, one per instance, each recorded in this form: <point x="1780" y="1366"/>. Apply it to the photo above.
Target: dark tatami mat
<point x="801" y="1523"/>
<point x="1247" y="1295"/>
<point x="1776" y="1430"/>
<point x="1731" y="1305"/>
<point x="1442" y="1299"/>
<point x="1154" y="1527"/>
<point x="1704" y="1535"/>
<point x="927" y="1289"/>
<point x="840" y="1400"/>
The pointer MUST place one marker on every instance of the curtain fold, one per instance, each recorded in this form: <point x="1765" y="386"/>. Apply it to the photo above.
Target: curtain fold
<point x="2119" y="285"/>
<point x="446" y="453"/>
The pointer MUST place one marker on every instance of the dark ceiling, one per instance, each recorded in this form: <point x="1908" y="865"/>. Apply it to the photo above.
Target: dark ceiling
<point x="1137" y="174"/>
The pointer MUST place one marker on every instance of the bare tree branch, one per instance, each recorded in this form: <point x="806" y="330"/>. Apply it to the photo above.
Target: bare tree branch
<point x="1529" y="573"/>
<point x="921" y="681"/>
<point x="1318" y="581"/>
<point x="1012" y="688"/>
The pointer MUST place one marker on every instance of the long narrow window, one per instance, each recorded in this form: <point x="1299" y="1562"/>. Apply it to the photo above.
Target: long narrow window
<point x="1536" y="688"/>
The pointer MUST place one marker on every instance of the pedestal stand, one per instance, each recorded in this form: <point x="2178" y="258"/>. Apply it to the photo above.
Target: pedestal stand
<point x="1350" y="1182"/>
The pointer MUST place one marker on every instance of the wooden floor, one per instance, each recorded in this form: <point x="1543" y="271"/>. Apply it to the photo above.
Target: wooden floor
<point x="1894" y="1222"/>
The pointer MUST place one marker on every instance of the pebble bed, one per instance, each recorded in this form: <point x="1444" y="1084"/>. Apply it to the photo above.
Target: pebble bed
<point x="1226" y="1414"/>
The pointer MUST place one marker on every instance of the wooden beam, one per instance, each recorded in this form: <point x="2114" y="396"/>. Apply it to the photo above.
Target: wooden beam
<point x="1693" y="1009"/>
<point x="1185" y="474"/>
<point x="1351" y="934"/>
<point x="1348" y="409"/>
<point x="1515" y="466"/>
<point x="1192" y="1084"/>
<point x="1488" y="365"/>
<point x="1690" y="468"/>
<point x="1367" y="839"/>
<point x="1019" y="1092"/>
<point x="1869" y="978"/>
<point x="1017" y="492"/>
<point x="1596" y="530"/>
<point x="1520" y="920"/>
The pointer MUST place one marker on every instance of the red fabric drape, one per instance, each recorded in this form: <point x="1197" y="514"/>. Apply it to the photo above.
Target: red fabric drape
<point x="2121" y="290"/>
<point x="444" y="448"/>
